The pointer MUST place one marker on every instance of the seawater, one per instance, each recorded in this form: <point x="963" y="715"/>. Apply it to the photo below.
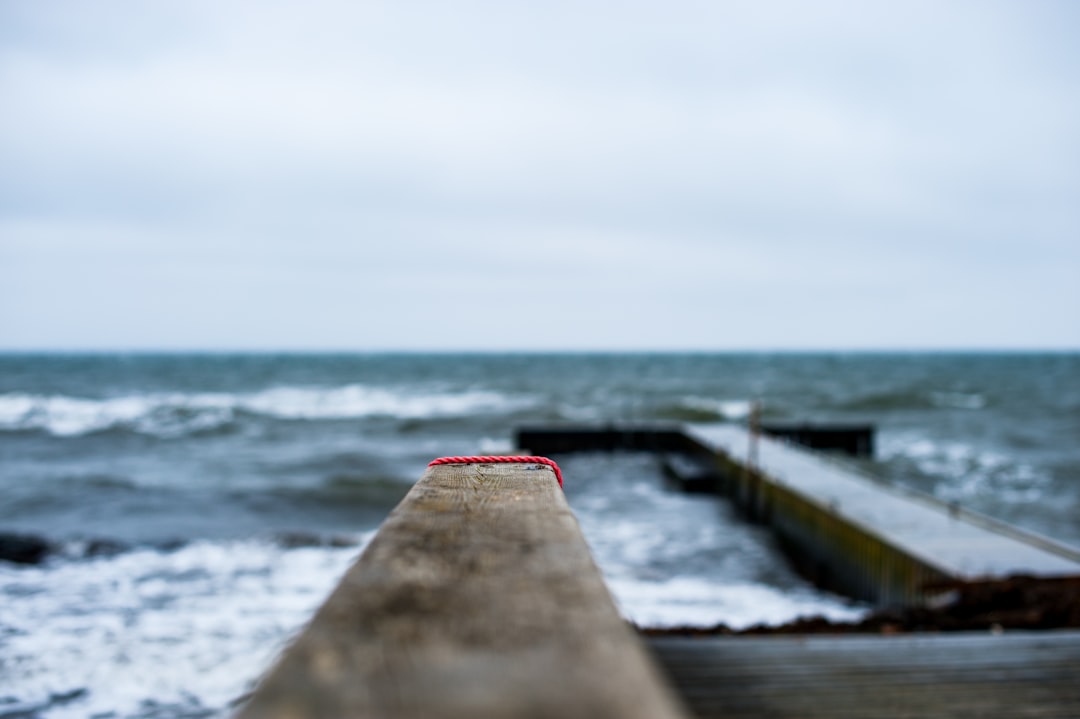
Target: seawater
<point x="202" y="506"/>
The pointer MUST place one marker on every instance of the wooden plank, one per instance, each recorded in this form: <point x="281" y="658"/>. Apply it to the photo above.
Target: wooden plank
<point x="477" y="598"/>
<point x="1022" y="674"/>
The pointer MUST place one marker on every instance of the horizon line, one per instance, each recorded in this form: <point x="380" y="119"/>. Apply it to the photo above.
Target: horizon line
<point x="526" y="351"/>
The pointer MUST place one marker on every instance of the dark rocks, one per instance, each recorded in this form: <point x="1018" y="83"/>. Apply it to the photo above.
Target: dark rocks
<point x="104" y="548"/>
<point x="1027" y="603"/>
<point x="297" y="540"/>
<point x="31" y="549"/>
<point x="23" y="548"/>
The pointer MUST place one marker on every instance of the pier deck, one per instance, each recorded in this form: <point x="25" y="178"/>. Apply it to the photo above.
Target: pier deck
<point x="945" y="676"/>
<point x="958" y="543"/>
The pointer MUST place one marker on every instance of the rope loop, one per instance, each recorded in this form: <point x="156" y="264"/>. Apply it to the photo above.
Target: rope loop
<point x="500" y="459"/>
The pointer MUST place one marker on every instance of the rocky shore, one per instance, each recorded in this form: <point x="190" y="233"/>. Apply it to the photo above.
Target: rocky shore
<point x="1015" y="603"/>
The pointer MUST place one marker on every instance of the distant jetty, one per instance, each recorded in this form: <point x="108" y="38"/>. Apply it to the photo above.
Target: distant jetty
<point x="845" y="531"/>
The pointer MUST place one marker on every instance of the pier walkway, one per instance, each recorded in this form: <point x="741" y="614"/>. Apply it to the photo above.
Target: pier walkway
<point x="959" y="544"/>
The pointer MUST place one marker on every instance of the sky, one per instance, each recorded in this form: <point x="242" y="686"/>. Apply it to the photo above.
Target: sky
<point x="588" y="175"/>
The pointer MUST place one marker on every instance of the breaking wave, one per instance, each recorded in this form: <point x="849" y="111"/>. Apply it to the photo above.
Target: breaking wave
<point x="694" y="601"/>
<point x="914" y="400"/>
<point x="214" y="613"/>
<point x="173" y="415"/>
<point x="704" y="409"/>
<point x="962" y="471"/>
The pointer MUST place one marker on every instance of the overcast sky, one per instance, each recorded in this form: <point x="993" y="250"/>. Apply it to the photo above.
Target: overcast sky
<point x="542" y="175"/>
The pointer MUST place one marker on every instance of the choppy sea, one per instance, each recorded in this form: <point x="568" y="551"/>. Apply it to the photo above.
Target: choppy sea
<point x="200" y="507"/>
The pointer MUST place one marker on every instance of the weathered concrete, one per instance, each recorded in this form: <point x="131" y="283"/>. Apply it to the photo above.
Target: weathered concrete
<point x="845" y="531"/>
<point x="864" y="537"/>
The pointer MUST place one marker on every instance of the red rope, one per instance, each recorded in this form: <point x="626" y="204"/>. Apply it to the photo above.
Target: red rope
<point x="500" y="460"/>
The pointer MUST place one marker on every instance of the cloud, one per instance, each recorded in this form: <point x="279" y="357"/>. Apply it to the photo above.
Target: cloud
<point x="646" y="161"/>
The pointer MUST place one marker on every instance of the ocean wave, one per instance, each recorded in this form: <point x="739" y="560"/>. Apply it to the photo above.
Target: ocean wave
<point x="356" y="401"/>
<point x="705" y="409"/>
<point x="341" y="490"/>
<point x="674" y="559"/>
<point x="693" y="601"/>
<point x="878" y="401"/>
<point x="97" y="481"/>
<point x="496" y="445"/>
<point x="958" y="400"/>
<point x="914" y="400"/>
<point x="160" y="415"/>
<point x="963" y="471"/>
<point x="90" y="637"/>
<point x="167" y="415"/>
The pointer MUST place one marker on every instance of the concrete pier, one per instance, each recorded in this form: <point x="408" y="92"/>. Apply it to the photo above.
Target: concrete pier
<point x="864" y="537"/>
<point x="844" y="530"/>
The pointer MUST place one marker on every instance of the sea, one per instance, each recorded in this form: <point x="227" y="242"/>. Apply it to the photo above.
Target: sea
<point x="201" y="506"/>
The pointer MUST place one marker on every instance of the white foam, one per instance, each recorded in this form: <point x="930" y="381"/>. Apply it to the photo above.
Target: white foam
<point x="174" y="414"/>
<point x="354" y="401"/>
<point x="730" y="409"/>
<point x="496" y="445"/>
<point x="701" y="602"/>
<point x="672" y="559"/>
<point x="191" y="628"/>
<point x="964" y="470"/>
<point x="156" y="414"/>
